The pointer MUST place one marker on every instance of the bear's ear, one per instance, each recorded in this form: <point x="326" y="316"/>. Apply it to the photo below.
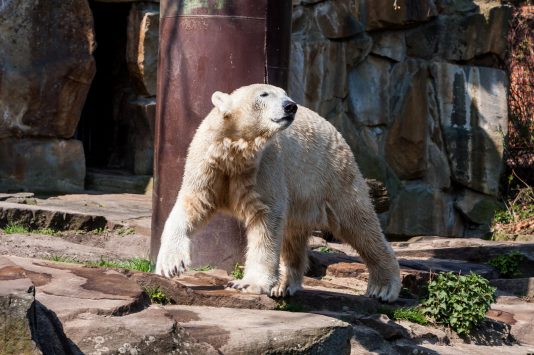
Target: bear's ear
<point x="222" y="101"/>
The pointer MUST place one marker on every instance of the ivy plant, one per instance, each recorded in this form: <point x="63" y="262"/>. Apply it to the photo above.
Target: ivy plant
<point x="458" y="301"/>
<point x="508" y="264"/>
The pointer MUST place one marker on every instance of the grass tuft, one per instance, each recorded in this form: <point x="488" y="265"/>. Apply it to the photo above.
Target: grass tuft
<point x="238" y="272"/>
<point x="156" y="295"/>
<point x="15" y="229"/>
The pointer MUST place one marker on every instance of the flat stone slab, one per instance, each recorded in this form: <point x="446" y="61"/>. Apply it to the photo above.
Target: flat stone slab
<point x="71" y="289"/>
<point x="79" y="247"/>
<point x="518" y="314"/>
<point x="79" y="211"/>
<point x="247" y="331"/>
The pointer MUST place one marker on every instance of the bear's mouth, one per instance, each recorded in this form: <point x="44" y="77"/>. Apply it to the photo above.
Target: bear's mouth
<point x="286" y="120"/>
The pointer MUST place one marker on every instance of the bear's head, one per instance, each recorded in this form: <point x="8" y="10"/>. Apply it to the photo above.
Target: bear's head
<point x="255" y="110"/>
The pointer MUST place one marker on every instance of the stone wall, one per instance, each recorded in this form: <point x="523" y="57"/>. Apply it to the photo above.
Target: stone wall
<point x="46" y="68"/>
<point x="417" y="91"/>
<point x="414" y="86"/>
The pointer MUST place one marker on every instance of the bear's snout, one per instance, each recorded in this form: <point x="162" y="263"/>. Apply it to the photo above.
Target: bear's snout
<point x="289" y="107"/>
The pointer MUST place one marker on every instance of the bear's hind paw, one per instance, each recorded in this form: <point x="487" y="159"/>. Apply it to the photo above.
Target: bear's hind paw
<point x="387" y="293"/>
<point x="248" y="287"/>
<point x="283" y="290"/>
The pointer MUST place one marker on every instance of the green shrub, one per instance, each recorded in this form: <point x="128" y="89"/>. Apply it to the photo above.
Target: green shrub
<point x="508" y="264"/>
<point x="458" y="301"/>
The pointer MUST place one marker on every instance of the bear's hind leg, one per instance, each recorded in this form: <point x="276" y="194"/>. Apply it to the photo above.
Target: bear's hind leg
<point x="356" y="223"/>
<point x="293" y="263"/>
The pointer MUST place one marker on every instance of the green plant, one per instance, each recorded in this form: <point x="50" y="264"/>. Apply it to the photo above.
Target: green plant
<point x="46" y="231"/>
<point x="125" y="231"/>
<point x="508" y="264"/>
<point x="156" y="295"/>
<point x="139" y="264"/>
<point x="288" y="307"/>
<point x="62" y="259"/>
<point x="203" y="268"/>
<point x="15" y="229"/>
<point x="238" y="272"/>
<point x="325" y="250"/>
<point x="99" y="231"/>
<point x="458" y="301"/>
<point x="412" y="314"/>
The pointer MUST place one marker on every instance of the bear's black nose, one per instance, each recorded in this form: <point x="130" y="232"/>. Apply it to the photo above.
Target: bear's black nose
<point x="290" y="107"/>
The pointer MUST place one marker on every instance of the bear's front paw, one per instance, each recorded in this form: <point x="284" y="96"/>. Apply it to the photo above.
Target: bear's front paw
<point x="172" y="262"/>
<point x="283" y="289"/>
<point x="387" y="290"/>
<point x="250" y="287"/>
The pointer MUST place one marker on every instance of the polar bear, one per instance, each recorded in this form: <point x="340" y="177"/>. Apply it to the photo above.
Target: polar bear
<point x="284" y="171"/>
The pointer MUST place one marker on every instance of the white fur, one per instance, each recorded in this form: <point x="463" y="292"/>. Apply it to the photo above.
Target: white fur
<point x="282" y="184"/>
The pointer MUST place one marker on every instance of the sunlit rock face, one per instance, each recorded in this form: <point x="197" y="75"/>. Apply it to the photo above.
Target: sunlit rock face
<point x="417" y="90"/>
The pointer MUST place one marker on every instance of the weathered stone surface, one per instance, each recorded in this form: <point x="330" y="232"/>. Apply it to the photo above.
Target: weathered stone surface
<point x="69" y="290"/>
<point x="372" y="75"/>
<point x="45" y="68"/>
<point x="142" y="46"/>
<point x="462" y="37"/>
<point x="389" y="44"/>
<point x="420" y="209"/>
<point x="337" y="20"/>
<point x="150" y="331"/>
<point x="385" y="326"/>
<point x="407" y="141"/>
<point x="142" y="113"/>
<point x="442" y="265"/>
<point x="16" y="310"/>
<point x="521" y="319"/>
<point x="379" y="14"/>
<point x="469" y="249"/>
<point x="37" y="164"/>
<point x="82" y="212"/>
<point x="476" y="207"/>
<point x="473" y="113"/>
<point x="316" y="65"/>
<point x="259" y="332"/>
<point x="517" y="287"/>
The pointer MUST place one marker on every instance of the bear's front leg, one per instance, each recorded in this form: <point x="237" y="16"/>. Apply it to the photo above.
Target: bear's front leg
<point x="174" y="255"/>
<point x="263" y="255"/>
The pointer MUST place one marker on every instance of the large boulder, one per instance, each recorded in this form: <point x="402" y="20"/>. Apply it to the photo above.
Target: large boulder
<point x="380" y="14"/>
<point x="38" y="164"/>
<point x="462" y="38"/>
<point x="407" y="141"/>
<point x="473" y="113"/>
<point x="142" y="46"/>
<point x="370" y="76"/>
<point x="46" y="66"/>
<point x="420" y="209"/>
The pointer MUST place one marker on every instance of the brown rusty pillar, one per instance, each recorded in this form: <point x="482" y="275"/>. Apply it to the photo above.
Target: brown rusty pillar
<point x="206" y="46"/>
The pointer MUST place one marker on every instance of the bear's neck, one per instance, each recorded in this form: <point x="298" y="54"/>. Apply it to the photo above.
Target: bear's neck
<point x="235" y="157"/>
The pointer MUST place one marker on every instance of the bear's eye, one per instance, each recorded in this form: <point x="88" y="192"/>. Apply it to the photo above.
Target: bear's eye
<point x="264" y="94"/>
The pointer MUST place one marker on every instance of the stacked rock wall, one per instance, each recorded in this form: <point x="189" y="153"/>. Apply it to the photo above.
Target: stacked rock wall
<point x="417" y="91"/>
<point x="46" y="68"/>
<point x="416" y="88"/>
